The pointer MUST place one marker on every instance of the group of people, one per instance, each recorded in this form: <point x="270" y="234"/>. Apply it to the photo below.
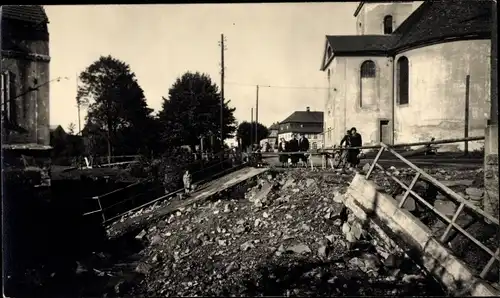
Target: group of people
<point x="298" y="149"/>
<point x="352" y="139"/>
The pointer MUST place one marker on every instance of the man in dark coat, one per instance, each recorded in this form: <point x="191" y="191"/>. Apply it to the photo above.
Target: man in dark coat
<point x="294" y="147"/>
<point x="355" y="141"/>
<point x="303" y="145"/>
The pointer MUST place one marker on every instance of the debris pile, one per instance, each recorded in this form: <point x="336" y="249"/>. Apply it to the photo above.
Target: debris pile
<point x="289" y="234"/>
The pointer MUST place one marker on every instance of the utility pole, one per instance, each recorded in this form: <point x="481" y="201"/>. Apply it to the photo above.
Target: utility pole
<point x="251" y="127"/>
<point x="257" y="116"/>
<point x="494" y="66"/>
<point x="222" y="49"/>
<point x="78" y="107"/>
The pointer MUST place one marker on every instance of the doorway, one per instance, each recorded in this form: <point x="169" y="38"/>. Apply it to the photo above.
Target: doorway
<point x="384" y="131"/>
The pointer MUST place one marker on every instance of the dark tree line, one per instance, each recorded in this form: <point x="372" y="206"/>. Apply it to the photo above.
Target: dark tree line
<point x="119" y="121"/>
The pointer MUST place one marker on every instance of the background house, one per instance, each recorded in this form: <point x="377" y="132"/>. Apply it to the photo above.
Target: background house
<point x="308" y="122"/>
<point x="403" y="77"/>
<point x="272" y="138"/>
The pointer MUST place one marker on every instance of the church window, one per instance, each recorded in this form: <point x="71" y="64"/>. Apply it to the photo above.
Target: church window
<point x="367" y="84"/>
<point x="403" y="81"/>
<point x="388" y="24"/>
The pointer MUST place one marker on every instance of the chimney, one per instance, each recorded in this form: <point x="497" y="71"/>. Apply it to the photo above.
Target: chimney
<point x="308" y="109"/>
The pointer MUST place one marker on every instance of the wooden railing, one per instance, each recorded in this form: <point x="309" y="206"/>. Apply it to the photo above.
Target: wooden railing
<point x="463" y="203"/>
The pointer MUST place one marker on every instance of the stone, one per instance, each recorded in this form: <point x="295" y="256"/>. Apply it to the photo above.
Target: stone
<point x="310" y="182"/>
<point x="339" y="198"/>
<point x="247" y="245"/>
<point x="143" y="268"/>
<point x="366" y="167"/>
<point x="474" y="192"/>
<point x="331" y="238"/>
<point x="155" y="239"/>
<point x="448" y="208"/>
<point x="141" y="235"/>
<point x="322" y="251"/>
<point x="357" y="230"/>
<point x="346" y="228"/>
<point x="299" y="249"/>
<point x="161" y="224"/>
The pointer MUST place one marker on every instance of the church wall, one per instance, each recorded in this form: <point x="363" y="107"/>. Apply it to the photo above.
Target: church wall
<point x="436" y="107"/>
<point x="342" y="106"/>
<point x="371" y="17"/>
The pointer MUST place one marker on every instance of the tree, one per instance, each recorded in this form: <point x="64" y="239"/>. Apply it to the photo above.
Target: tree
<point x="246" y="130"/>
<point x="71" y="128"/>
<point x="115" y="102"/>
<point x="192" y="110"/>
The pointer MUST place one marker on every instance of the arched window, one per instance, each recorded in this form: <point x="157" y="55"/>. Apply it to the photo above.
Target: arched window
<point x="388" y="24"/>
<point x="368" y="69"/>
<point x="403" y="81"/>
<point x="367" y="84"/>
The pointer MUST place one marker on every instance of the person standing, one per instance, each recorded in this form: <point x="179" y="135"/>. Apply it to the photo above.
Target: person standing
<point x="283" y="147"/>
<point x="355" y="141"/>
<point x="303" y="145"/>
<point x="294" y="147"/>
<point x="186" y="179"/>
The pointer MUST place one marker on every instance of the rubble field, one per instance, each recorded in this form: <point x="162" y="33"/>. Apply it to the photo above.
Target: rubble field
<point x="285" y="234"/>
<point x="281" y="234"/>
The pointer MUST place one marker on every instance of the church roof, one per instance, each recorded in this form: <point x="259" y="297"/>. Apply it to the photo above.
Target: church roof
<point x="433" y="21"/>
<point x="27" y="13"/>
<point x="343" y="44"/>
<point x="439" y="20"/>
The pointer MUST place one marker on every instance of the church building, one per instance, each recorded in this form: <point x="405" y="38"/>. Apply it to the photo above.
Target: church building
<point x="409" y="72"/>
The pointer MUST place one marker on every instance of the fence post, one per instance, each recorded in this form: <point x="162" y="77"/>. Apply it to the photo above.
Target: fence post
<point x="466" y="125"/>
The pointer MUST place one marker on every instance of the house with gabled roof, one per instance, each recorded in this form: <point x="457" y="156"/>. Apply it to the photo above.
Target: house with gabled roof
<point x="308" y="122"/>
<point x="404" y="76"/>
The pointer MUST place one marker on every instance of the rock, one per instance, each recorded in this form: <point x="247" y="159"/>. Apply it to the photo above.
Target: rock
<point x="346" y="228"/>
<point x="288" y="216"/>
<point x="226" y="208"/>
<point x="328" y="215"/>
<point x="339" y="198"/>
<point x="265" y="215"/>
<point x="349" y="236"/>
<point x="366" y="167"/>
<point x="239" y="230"/>
<point x="247" y="245"/>
<point x="233" y="266"/>
<point x="357" y="230"/>
<point x="143" y="268"/>
<point x="323" y="249"/>
<point x="161" y="224"/>
<point x="299" y="249"/>
<point x="331" y="238"/>
<point x="121" y="287"/>
<point x="156" y="258"/>
<point x="155" y="239"/>
<point x="474" y="192"/>
<point x="448" y="208"/>
<point x="141" y="235"/>
<point x="240" y="222"/>
<point x="410" y="278"/>
<point x="305" y="227"/>
<point x="310" y="182"/>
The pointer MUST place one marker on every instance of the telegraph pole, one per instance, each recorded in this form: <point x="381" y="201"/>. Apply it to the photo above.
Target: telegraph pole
<point x="78" y="107"/>
<point x="494" y="66"/>
<point x="251" y="127"/>
<point x="222" y="49"/>
<point x="257" y="116"/>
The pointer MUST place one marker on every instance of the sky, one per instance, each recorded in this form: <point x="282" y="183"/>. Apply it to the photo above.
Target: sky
<point x="278" y="45"/>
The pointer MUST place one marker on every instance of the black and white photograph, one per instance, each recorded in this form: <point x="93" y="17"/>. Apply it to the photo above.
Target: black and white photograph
<point x="285" y="149"/>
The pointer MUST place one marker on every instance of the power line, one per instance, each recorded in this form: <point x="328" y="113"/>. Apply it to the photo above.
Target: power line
<point x="276" y="87"/>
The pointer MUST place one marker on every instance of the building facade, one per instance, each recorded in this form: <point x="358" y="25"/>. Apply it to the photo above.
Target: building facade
<point x="405" y="77"/>
<point x="309" y="123"/>
<point x="272" y="138"/>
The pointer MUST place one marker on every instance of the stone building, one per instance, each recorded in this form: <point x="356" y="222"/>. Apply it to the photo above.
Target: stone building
<point x="402" y="78"/>
<point x="25" y="73"/>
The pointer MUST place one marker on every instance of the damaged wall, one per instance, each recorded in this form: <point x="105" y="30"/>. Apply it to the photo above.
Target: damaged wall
<point x="25" y="52"/>
<point x="436" y="108"/>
